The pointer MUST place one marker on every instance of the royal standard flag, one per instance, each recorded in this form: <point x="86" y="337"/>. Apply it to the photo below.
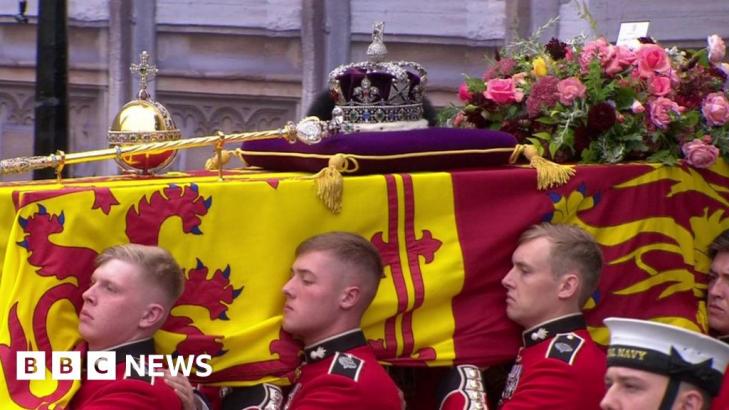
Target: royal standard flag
<point x="446" y="240"/>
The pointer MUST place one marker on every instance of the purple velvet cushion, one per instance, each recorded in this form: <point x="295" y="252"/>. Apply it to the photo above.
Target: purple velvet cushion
<point x="378" y="144"/>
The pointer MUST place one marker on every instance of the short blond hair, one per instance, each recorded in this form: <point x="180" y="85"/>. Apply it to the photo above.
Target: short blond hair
<point x="571" y="249"/>
<point x="350" y="249"/>
<point x="158" y="266"/>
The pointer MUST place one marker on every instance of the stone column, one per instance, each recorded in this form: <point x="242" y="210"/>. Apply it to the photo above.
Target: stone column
<point x="325" y="44"/>
<point x="524" y="17"/>
<point x="312" y="51"/>
<point x="541" y="12"/>
<point x="120" y="46"/>
<point x="51" y="91"/>
<point x="119" y="90"/>
<point x="338" y="34"/>
<point x="144" y="37"/>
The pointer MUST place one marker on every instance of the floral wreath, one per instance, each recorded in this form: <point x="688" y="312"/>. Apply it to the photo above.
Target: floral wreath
<point x="595" y="102"/>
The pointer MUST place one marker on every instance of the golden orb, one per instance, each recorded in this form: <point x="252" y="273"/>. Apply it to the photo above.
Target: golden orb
<point x="143" y="121"/>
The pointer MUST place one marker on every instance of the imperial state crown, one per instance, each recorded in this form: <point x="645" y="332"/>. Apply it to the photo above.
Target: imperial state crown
<point x="373" y="93"/>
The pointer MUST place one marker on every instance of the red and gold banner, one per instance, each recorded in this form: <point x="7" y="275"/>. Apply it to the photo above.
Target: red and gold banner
<point x="446" y="239"/>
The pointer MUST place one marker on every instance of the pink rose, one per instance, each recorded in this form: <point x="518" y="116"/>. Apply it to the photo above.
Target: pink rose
<point x="626" y="56"/>
<point x="618" y="59"/>
<point x="717" y="48"/>
<point x="599" y="49"/>
<point x="463" y="93"/>
<point x="637" y="107"/>
<point x="715" y="109"/>
<point x="570" y="89"/>
<point x="659" y="85"/>
<point x="660" y="110"/>
<point x="652" y="59"/>
<point x="611" y="64"/>
<point x="458" y="119"/>
<point x="699" y="153"/>
<point x="502" y="91"/>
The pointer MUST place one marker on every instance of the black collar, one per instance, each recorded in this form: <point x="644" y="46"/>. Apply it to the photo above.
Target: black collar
<point x="328" y="347"/>
<point x="547" y="330"/>
<point x="136" y="349"/>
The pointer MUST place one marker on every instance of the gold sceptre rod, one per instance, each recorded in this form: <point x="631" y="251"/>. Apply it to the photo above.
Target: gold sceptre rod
<point x="309" y="130"/>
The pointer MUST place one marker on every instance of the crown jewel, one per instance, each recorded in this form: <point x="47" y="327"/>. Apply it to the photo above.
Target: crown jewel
<point x="374" y="92"/>
<point x="141" y="121"/>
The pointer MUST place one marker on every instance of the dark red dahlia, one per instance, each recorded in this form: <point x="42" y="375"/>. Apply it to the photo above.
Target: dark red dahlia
<point x="557" y="49"/>
<point x="600" y="118"/>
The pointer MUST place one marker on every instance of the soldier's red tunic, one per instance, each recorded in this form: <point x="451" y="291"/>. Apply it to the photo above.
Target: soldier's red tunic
<point x="558" y="367"/>
<point x="124" y="394"/>
<point x="721" y="402"/>
<point x="343" y="373"/>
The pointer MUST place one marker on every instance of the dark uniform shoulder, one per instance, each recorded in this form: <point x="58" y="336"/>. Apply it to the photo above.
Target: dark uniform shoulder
<point x="564" y="347"/>
<point x="347" y="365"/>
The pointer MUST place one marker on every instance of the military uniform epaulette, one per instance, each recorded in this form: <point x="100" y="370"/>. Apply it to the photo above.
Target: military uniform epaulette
<point x="564" y="347"/>
<point x="348" y="365"/>
<point x="131" y="373"/>
<point x="339" y="343"/>
<point x="137" y="351"/>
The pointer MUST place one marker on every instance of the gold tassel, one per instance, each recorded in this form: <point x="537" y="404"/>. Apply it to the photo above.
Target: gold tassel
<point x="212" y="163"/>
<point x="330" y="184"/>
<point x="549" y="174"/>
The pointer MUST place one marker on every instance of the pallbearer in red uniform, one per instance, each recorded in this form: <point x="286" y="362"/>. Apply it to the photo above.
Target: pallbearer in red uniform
<point x="655" y="366"/>
<point x="555" y="270"/>
<point x="718" y="302"/>
<point x="334" y="279"/>
<point x="132" y="291"/>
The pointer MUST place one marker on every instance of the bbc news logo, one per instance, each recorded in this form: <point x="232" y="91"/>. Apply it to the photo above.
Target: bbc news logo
<point x="102" y="365"/>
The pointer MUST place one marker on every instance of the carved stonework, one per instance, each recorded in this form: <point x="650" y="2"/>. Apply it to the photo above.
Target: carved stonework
<point x="85" y="130"/>
<point x="201" y="115"/>
<point x="16" y="124"/>
<point x="16" y="104"/>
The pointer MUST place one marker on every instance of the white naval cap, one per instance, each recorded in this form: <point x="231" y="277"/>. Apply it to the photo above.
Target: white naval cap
<point x="669" y="350"/>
